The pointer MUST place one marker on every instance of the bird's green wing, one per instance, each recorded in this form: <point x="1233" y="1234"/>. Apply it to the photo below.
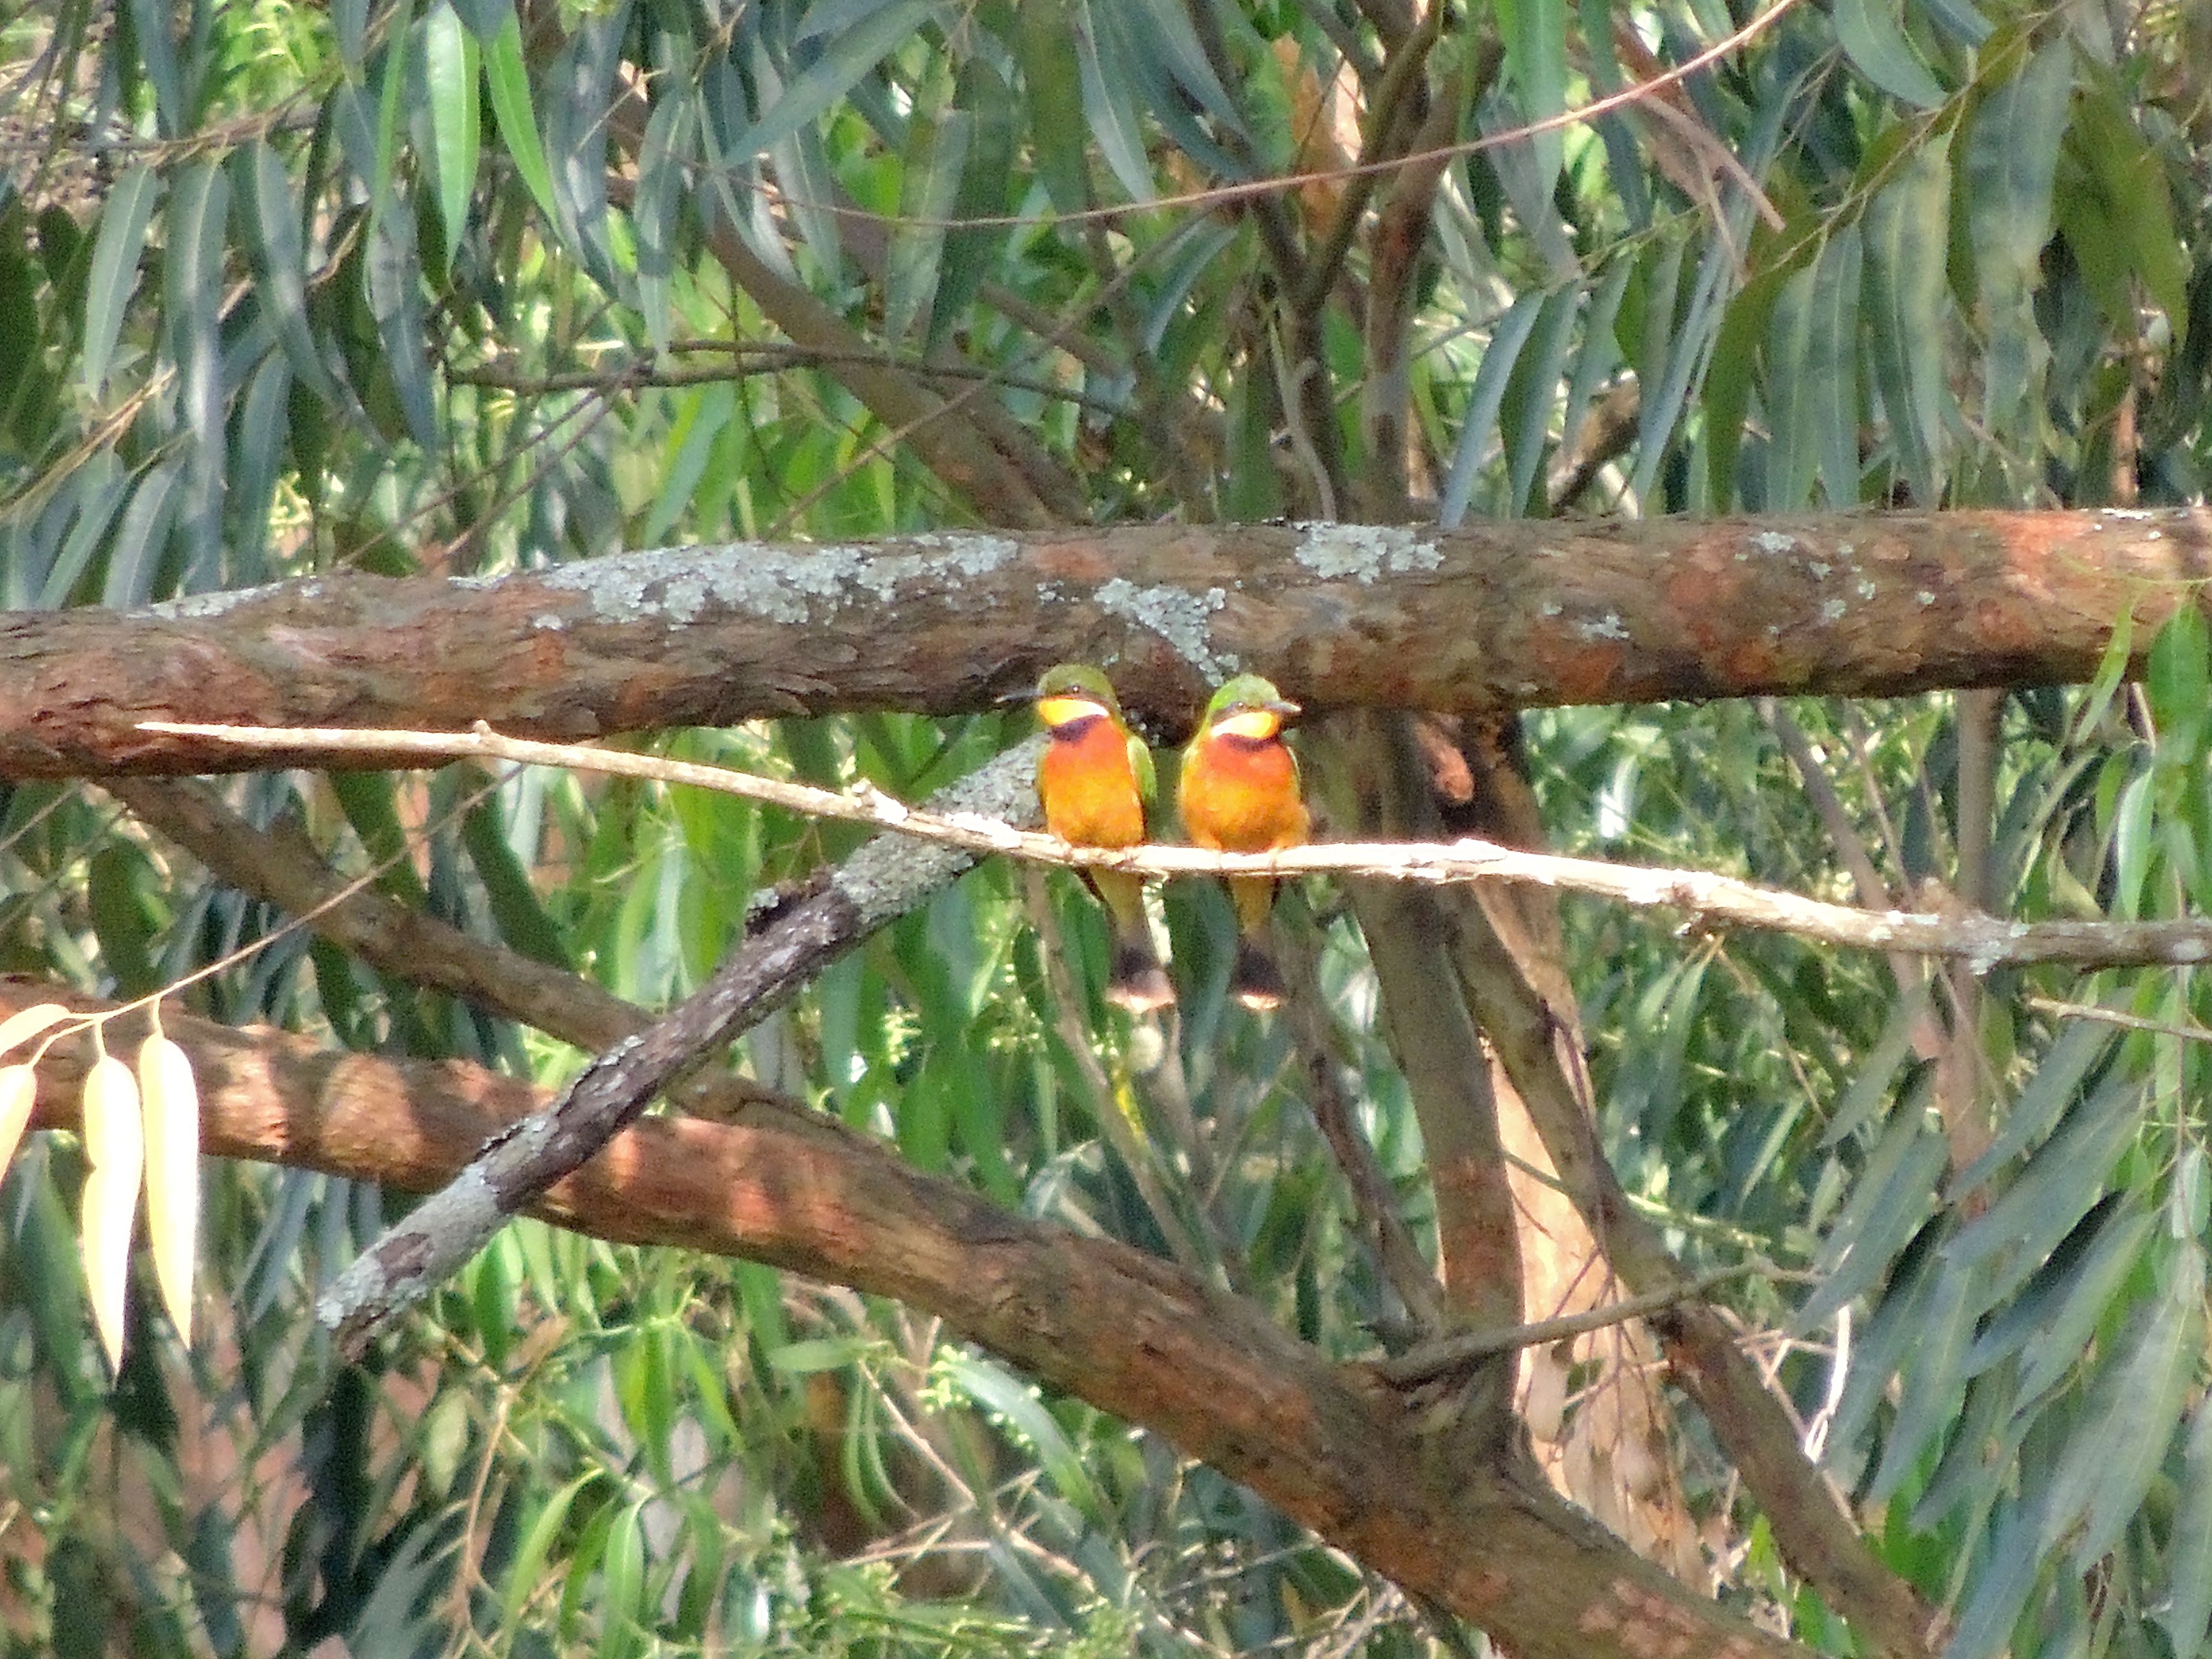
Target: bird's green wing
<point x="1141" y="763"/>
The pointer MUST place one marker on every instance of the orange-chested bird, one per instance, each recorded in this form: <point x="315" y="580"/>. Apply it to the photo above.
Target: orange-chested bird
<point x="1239" y="794"/>
<point x="1095" y="781"/>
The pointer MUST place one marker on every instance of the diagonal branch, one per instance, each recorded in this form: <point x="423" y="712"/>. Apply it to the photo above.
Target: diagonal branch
<point x="884" y="878"/>
<point x="1157" y="1345"/>
<point x="1814" y="1534"/>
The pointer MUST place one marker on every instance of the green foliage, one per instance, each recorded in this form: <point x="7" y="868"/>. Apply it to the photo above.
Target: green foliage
<point x="453" y="288"/>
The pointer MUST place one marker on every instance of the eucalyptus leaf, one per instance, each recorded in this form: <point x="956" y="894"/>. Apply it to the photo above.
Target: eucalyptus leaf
<point x="123" y="220"/>
<point x="1907" y="230"/>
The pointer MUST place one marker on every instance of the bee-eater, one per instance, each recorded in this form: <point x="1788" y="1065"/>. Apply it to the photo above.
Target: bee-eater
<point x="1239" y="794"/>
<point x="1095" y="781"/>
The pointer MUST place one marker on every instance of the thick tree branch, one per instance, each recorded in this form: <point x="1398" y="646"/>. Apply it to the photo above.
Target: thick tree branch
<point x="1331" y="1446"/>
<point x="1980" y="941"/>
<point x="1503" y="614"/>
<point x="1816" y="1537"/>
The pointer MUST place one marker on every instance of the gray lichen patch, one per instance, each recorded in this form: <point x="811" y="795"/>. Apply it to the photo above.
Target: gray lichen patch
<point x="892" y="873"/>
<point x="1608" y="627"/>
<point x="194" y="606"/>
<point x="1364" y="552"/>
<point x="1177" y="616"/>
<point x="1773" y="541"/>
<point x="790" y="585"/>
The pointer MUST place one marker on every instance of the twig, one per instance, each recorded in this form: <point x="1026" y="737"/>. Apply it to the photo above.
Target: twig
<point x="2114" y="1017"/>
<point x="1435" y="1358"/>
<point x="1983" y="942"/>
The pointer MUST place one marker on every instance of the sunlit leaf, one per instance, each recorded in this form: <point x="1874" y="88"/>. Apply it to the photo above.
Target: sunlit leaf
<point x="508" y="82"/>
<point x="25" y="1023"/>
<point x="170" y="1101"/>
<point x="114" y="1150"/>
<point x="452" y="58"/>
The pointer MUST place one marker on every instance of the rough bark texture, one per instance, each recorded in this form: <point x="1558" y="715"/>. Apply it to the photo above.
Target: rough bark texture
<point x="1504" y="614"/>
<point x="1331" y="1446"/>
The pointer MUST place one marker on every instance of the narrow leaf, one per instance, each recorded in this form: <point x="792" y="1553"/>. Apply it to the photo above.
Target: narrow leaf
<point x="660" y="189"/>
<point x="1907" y="239"/>
<point x="1053" y="78"/>
<point x="199" y="208"/>
<point x="389" y="98"/>
<point x="2088" y="1265"/>
<point x="1986" y="1622"/>
<point x="395" y="300"/>
<point x="280" y="263"/>
<point x="1893" y="1194"/>
<point x="1526" y="412"/>
<point x="2189" y="1557"/>
<point x="2042" y="1103"/>
<point x="509" y="84"/>
<point x="450" y="57"/>
<point x="537" y="1543"/>
<point x="171" y="1105"/>
<point x="852" y="55"/>
<point x="1483" y="400"/>
<point x="134" y="560"/>
<point x="2061" y="1181"/>
<point x="1535" y="33"/>
<point x="1112" y="114"/>
<point x="1932" y="1378"/>
<point x="114" y="277"/>
<point x="1831" y="359"/>
<point x="1792" y="459"/>
<point x="929" y="185"/>
<point x="25" y="1023"/>
<point x="2012" y="154"/>
<point x="1869" y="32"/>
<point x="2129" y="1421"/>
<point x="115" y="1148"/>
<point x="995" y="1391"/>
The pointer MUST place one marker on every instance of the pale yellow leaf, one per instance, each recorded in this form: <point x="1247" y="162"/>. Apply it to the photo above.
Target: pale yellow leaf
<point x="18" y="1088"/>
<point x="114" y="1144"/>
<point x="25" y="1023"/>
<point x="171" y="1105"/>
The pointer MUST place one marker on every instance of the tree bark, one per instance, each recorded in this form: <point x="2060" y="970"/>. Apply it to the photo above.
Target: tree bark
<point x="1332" y="1446"/>
<point x="1505" y="614"/>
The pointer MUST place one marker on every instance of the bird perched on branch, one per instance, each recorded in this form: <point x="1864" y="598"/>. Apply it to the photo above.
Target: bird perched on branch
<point x="1095" y="781"/>
<point x="1239" y="794"/>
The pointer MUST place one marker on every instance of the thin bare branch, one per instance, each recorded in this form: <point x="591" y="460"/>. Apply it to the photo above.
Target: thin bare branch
<point x="1982" y="941"/>
<point x="1435" y="1358"/>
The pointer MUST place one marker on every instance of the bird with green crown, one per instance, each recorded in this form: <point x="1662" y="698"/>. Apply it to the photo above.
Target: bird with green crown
<point x="1095" y="781"/>
<point x="1239" y="794"/>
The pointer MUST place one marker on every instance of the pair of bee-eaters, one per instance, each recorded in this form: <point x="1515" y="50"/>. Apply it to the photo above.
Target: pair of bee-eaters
<point x="1238" y="792"/>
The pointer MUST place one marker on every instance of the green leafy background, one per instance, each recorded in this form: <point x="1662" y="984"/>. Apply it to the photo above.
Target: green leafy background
<point x="450" y="287"/>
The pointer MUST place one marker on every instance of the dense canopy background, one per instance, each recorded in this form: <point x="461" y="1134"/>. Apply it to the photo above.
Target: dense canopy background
<point x="462" y="290"/>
